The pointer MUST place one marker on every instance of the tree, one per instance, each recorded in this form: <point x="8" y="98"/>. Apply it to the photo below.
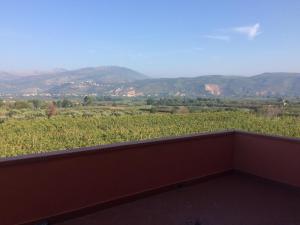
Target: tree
<point x="51" y="111"/>
<point x="12" y="112"/>
<point x="1" y="102"/>
<point x="66" y="103"/>
<point x="58" y="103"/>
<point x="150" y="101"/>
<point x="88" y="100"/>
<point x="153" y="110"/>
<point x="37" y="103"/>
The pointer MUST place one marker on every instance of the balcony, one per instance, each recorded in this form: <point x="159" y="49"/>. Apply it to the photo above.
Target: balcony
<point x="218" y="178"/>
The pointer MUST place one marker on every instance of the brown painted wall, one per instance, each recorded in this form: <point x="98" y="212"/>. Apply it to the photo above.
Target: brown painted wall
<point x="46" y="185"/>
<point x="50" y="184"/>
<point x="274" y="158"/>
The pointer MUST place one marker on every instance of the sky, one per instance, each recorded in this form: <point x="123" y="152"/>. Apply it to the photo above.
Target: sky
<point x="161" y="38"/>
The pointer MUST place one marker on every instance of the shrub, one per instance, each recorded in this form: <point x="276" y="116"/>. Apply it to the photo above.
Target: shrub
<point x="51" y="111"/>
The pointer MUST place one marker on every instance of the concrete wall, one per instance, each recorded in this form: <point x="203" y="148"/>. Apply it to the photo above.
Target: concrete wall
<point x="36" y="187"/>
<point x="270" y="157"/>
<point x="52" y="184"/>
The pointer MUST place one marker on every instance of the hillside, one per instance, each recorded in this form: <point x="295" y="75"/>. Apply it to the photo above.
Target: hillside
<point x="120" y="81"/>
<point x="74" y="79"/>
<point x="267" y="84"/>
<point x="6" y="76"/>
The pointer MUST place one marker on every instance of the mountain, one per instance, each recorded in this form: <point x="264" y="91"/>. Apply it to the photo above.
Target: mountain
<point x="6" y="76"/>
<point x="97" y="76"/>
<point x="263" y="85"/>
<point x="120" y="81"/>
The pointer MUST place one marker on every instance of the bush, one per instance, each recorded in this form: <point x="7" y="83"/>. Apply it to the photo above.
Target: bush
<point x="23" y="105"/>
<point x="153" y="110"/>
<point x="88" y="114"/>
<point x="13" y="112"/>
<point x="66" y="103"/>
<point x="2" y="120"/>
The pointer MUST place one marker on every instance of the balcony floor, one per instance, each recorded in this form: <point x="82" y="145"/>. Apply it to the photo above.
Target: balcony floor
<point x="228" y="200"/>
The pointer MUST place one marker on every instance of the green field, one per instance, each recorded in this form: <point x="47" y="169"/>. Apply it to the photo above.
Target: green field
<point x="64" y="131"/>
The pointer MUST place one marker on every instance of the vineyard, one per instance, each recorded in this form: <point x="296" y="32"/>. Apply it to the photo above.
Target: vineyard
<point x="18" y="137"/>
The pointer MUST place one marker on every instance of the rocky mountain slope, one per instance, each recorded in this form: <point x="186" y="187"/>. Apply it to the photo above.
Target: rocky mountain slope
<point x="120" y="81"/>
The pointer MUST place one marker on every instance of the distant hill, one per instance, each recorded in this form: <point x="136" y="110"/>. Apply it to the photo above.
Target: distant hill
<point x="120" y="81"/>
<point x="6" y="76"/>
<point x="43" y="83"/>
<point x="263" y="85"/>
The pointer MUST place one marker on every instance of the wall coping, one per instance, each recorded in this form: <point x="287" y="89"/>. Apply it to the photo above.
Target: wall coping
<point x="84" y="151"/>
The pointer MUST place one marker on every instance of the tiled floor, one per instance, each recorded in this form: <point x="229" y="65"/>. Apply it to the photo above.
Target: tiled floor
<point x="228" y="200"/>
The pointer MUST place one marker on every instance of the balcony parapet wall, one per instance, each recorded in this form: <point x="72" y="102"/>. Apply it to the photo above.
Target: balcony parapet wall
<point x="271" y="157"/>
<point x="51" y="185"/>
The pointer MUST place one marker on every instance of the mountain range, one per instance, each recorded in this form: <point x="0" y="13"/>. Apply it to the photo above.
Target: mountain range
<point x="121" y="81"/>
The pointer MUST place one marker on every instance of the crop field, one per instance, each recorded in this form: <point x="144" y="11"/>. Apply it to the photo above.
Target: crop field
<point x="77" y="129"/>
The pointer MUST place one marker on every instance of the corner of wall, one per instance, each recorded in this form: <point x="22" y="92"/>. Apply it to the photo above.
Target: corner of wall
<point x="235" y="149"/>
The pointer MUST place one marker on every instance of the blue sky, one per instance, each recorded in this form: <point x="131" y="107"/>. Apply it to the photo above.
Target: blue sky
<point x="157" y="37"/>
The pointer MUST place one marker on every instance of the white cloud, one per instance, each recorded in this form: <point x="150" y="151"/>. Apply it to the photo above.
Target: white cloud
<point x="217" y="37"/>
<point x="251" y="31"/>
